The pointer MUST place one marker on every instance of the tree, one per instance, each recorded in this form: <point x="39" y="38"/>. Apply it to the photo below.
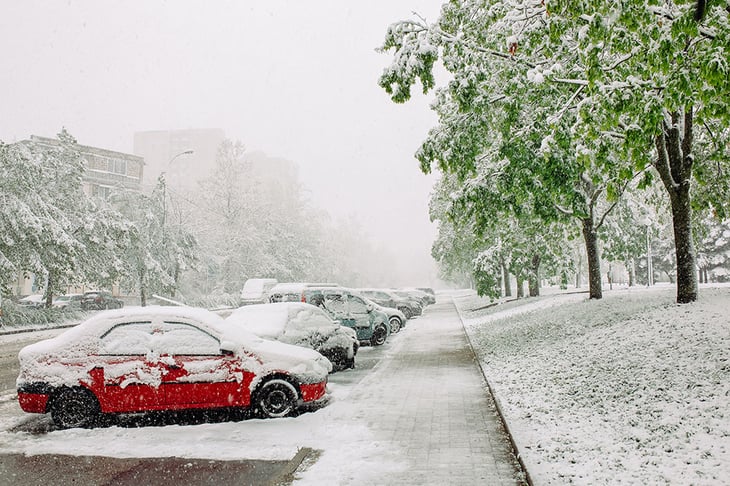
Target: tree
<point x="51" y="227"/>
<point x="641" y="77"/>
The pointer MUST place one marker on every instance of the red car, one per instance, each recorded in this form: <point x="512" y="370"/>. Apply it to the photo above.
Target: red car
<point x="143" y="359"/>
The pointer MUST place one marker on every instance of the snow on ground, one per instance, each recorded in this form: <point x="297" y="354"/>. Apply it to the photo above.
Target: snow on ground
<point x="630" y="389"/>
<point x="350" y="450"/>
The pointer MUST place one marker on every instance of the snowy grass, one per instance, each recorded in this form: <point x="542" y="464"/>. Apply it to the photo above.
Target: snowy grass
<point x="630" y="389"/>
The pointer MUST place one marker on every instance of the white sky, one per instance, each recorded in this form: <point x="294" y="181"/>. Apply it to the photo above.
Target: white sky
<point x="293" y="79"/>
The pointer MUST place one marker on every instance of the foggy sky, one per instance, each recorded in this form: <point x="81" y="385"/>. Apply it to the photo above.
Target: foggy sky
<point x="294" y="79"/>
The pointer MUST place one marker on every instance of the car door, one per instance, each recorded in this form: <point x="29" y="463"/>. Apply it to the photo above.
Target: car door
<point x="359" y="311"/>
<point x="196" y="373"/>
<point x="125" y="379"/>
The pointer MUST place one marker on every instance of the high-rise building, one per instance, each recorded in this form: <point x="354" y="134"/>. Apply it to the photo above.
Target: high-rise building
<point x="184" y="156"/>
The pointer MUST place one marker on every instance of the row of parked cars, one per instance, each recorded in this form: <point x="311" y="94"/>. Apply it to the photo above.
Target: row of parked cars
<point x="269" y="358"/>
<point x="91" y="300"/>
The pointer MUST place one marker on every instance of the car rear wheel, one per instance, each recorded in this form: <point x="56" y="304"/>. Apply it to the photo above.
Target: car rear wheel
<point x="406" y="312"/>
<point x="395" y="324"/>
<point x="275" y="398"/>
<point x="74" y="407"/>
<point x="379" y="336"/>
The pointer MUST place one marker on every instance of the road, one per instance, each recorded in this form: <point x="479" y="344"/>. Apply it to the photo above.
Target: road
<point x="21" y="469"/>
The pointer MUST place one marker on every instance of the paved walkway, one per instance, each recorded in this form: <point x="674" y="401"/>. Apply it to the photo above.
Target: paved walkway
<point x="441" y="414"/>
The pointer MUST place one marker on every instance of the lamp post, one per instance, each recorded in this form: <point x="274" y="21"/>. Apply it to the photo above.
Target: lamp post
<point x="649" y="264"/>
<point x="164" y="184"/>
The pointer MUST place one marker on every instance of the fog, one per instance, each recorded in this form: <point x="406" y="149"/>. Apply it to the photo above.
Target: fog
<point x="295" y="80"/>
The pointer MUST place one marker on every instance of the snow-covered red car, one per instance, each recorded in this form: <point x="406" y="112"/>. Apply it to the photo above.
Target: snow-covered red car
<point x="142" y="359"/>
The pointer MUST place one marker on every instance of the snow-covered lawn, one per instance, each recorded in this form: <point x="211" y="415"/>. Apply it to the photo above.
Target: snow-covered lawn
<point x="630" y="389"/>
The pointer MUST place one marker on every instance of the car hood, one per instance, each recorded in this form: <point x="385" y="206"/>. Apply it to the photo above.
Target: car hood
<point x="308" y="365"/>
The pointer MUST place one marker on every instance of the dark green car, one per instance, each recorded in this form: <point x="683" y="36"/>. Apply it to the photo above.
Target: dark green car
<point x="370" y="324"/>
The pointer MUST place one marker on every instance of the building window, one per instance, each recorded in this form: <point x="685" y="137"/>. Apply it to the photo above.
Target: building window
<point x="117" y="166"/>
<point x="102" y="192"/>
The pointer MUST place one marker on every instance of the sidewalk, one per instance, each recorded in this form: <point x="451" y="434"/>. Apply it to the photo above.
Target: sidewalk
<point x="432" y="403"/>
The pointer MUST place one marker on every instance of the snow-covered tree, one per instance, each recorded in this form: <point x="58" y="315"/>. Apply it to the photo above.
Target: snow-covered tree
<point x="51" y="228"/>
<point x="625" y="84"/>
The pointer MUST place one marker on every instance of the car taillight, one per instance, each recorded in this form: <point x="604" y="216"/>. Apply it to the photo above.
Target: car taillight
<point x="304" y="299"/>
<point x="97" y="299"/>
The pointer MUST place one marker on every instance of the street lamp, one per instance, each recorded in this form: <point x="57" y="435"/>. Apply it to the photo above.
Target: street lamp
<point x="164" y="184"/>
<point x="649" y="264"/>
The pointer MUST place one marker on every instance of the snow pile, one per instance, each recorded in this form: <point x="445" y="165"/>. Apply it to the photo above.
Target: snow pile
<point x="631" y="389"/>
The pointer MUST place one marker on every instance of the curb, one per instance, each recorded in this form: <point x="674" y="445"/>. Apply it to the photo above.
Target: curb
<point x="497" y="404"/>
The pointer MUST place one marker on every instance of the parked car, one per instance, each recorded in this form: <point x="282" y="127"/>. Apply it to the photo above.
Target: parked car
<point x="422" y="297"/>
<point x="429" y="291"/>
<point x="387" y="298"/>
<point x="257" y="290"/>
<point x="162" y="358"/>
<point x="303" y="325"/>
<point x="293" y="291"/>
<point x="370" y="324"/>
<point x="396" y="318"/>
<point x="33" y="301"/>
<point x="68" y="302"/>
<point x="429" y="296"/>
<point x="100" y="299"/>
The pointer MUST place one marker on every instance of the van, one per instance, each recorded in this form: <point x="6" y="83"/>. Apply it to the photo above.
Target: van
<point x="293" y="291"/>
<point x="257" y="290"/>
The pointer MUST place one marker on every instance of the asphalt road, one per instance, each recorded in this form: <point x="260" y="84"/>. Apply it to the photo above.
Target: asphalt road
<point x="61" y="470"/>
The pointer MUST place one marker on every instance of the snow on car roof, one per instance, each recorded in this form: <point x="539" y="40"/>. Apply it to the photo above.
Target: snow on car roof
<point x="265" y="320"/>
<point x="270" y="320"/>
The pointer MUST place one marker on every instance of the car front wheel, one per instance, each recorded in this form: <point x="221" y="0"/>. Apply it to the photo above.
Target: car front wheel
<point x="275" y="398"/>
<point x="74" y="407"/>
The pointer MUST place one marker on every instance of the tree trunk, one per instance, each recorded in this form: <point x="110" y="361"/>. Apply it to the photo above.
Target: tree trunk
<point x="632" y="272"/>
<point x="505" y="278"/>
<point x="50" y="282"/>
<point x="520" y="286"/>
<point x="534" y="276"/>
<point x="594" y="260"/>
<point x="674" y="164"/>
<point x="687" y="286"/>
<point x="142" y="289"/>
<point x="578" y="277"/>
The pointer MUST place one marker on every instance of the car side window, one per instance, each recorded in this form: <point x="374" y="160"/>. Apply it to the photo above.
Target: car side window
<point x="357" y="305"/>
<point x="317" y="318"/>
<point x="335" y="304"/>
<point x="180" y="338"/>
<point x="127" y="339"/>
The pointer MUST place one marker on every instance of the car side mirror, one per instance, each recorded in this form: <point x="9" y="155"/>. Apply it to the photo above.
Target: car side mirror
<point x="228" y="348"/>
<point x="369" y="307"/>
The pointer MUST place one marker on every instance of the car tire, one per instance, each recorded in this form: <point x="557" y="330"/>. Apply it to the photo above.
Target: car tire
<point x="395" y="324"/>
<point x="275" y="398"/>
<point x="380" y="334"/>
<point x="406" y="312"/>
<point x="74" y="407"/>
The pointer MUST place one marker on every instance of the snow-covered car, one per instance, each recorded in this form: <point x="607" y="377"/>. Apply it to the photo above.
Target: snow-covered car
<point x="99" y="300"/>
<point x="420" y="296"/>
<point x="396" y="318"/>
<point x="68" y="302"/>
<point x="33" y="301"/>
<point x="343" y="305"/>
<point x="301" y="325"/>
<point x="293" y="291"/>
<point x="426" y="294"/>
<point x="256" y="291"/>
<point x="156" y="358"/>
<point x="387" y="298"/>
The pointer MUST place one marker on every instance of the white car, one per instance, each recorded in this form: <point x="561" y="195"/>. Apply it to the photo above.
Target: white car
<point x="141" y="359"/>
<point x="303" y="325"/>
